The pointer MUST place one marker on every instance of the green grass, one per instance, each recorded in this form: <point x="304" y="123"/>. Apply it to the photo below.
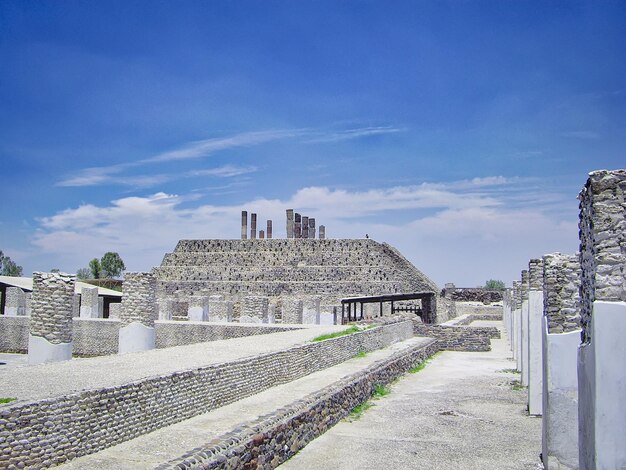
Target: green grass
<point x="348" y="331"/>
<point x="6" y="400"/>
<point x="360" y="354"/>
<point x="380" y="391"/>
<point x="517" y="385"/>
<point x="358" y="410"/>
<point x="510" y="371"/>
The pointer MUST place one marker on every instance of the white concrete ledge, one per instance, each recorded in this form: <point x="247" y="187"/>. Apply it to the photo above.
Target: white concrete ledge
<point x="136" y="337"/>
<point x="41" y="351"/>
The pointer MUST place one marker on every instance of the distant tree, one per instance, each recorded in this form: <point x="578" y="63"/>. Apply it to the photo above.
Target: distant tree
<point x="55" y="270"/>
<point x="112" y="265"/>
<point x="83" y="273"/>
<point x="8" y="266"/>
<point x="95" y="268"/>
<point x="494" y="284"/>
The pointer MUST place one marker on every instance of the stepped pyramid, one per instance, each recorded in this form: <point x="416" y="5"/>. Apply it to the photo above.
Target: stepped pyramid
<point x="331" y="268"/>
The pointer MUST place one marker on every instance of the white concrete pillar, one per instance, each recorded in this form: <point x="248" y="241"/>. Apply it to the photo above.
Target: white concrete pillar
<point x="602" y="354"/>
<point x="525" y="329"/>
<point x="138" y="313"/>
<point x="50" y="337"/>
<point x="89" y="306"/>
<point x="311" y="310"/>
<point x="535" y="337"/>
<point x="198" y="309"/>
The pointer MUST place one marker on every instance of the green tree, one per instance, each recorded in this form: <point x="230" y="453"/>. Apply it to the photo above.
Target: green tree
<point x="494" y="284"/>
<point x="95" y="268"/>
<point x="8" y="266"/>
<point x="112" y="265"/>
<point x="83" y="273"/>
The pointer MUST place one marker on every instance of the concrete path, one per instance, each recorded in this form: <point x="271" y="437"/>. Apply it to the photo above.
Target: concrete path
<point x="460" y="412"/>
<point x="60" y="378"/>
<point x="170" y="442"/>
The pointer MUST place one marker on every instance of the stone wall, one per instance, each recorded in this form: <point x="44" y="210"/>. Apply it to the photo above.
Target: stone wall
<point x="561" y="299"/>
<point x="92" y="420"/>
<point x="473" y="294"/>
<point x="15" y="302"/>
<point x="139" y="299"/>
<point x="272" y="439"/>
<point x="602" y="229"/>
<point x="99" y="336"/>
<point x="14" y="334"/>
<point x="53" y="295"/>
<point x="95" y="336"/>
<point x="475" y="308"/>
<point x="254" y="309"/>
<point x="458" y="338"/>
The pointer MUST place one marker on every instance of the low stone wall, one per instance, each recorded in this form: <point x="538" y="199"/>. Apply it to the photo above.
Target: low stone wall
<point x="48" y="432"/>
<point x="458" y="338"/>
<point x="468" y="319"/>
<point x="473" y="308"/>
<point x="14" y="334"/>
<point x="473" y="294"/>
<point x="176" y="333"/>
<point x="95" y="336"/>
<point x="274" y="438"/>
<point x="100" y="336"/>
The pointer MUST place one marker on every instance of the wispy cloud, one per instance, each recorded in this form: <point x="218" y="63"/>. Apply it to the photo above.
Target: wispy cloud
<point x="591" y="135"/>
<point x="349" y="134"/>
<point x="117" y="174"/>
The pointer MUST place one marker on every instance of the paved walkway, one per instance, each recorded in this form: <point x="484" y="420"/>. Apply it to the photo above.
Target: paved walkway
<point x="459" y="413"/>
<point x="50" y="380"/>
<point x="168" y="443"/>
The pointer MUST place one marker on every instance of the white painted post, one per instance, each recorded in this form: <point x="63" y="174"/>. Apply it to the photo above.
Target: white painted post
<point x="535" y="347"/>
<point x="138" y="313"/>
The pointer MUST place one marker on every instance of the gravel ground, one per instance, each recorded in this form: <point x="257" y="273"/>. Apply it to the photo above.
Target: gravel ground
<point x="60" y="378"/>
<point x="460" y="412"/>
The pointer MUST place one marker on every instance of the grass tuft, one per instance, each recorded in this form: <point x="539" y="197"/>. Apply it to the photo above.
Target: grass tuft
<point x="517" y="385"/>
<point x="348" y="331"/>
<point x="358" y="410"/>
<point x="380" y="391"/>
<point x="421" y="365"/>
<point x="360" y="354"/>
<point x="6" y="400"/>
<point x="510" y="371"/>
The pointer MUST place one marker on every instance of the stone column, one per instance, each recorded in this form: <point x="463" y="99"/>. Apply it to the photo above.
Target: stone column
<point x="89" y="302"/>
<point x="311" y="310"/>
<point x="165" y="308"/>
<point x="138" y="313"/>
<point x="292" y="310"/>
<point x="312" y="228"/>
<point x="50" y="338"/>
<point x="220" y="310"/>
<point x="253" y="226"/>
<point x="561" y="336"/>
<point x="261" y="234"/>
<point x="305" y="227"/>
<point x="244" y="225"/>
<point x="75" y="305"/>
<point x="535" y="348"/>
<point x="254" y="309"/>
<point x="297" y="231"/>
<point x="198" y="309"/>
<point x="271" y="313"/>
<point x="506" y="311"/>
<point x="15" y="303"/>
<point x="290" y="227"/>
<point x="27" y="303"/>
<point x="322" y="232"/>
<point x="524" y="339"/>
<point x="114" y="310"/>
<point x="269" y="229"/>
<point x="602" y="354"/>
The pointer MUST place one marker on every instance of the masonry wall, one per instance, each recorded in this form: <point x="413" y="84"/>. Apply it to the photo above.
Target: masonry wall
<point x="137" y="408"/>
<point x="99" y="337"/>
<point x="277" y="437"/>
<point x="561" y="299"/>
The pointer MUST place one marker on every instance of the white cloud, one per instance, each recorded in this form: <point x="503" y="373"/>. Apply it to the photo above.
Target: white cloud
<point x="450" y="232"/>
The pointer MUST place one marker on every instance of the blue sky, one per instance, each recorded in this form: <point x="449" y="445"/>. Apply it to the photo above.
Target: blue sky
<point x="460" y="132"/>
